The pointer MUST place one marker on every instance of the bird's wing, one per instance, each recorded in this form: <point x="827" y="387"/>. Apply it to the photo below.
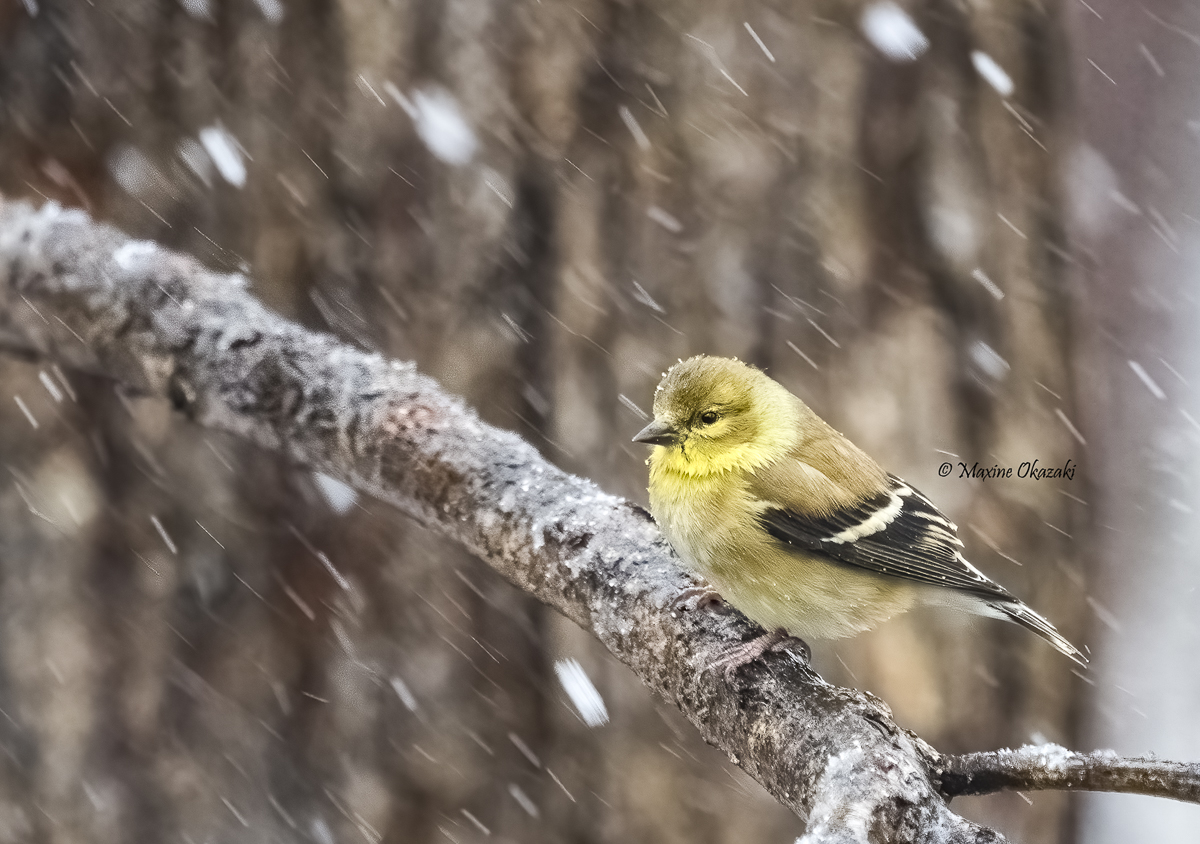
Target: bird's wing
<point x="897" y="532"/>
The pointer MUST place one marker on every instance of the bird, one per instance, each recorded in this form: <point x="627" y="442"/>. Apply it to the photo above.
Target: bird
<point x="789" y="522"/>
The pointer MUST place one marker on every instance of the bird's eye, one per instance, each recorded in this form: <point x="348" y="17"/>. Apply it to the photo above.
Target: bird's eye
<point x="709" y="417"/>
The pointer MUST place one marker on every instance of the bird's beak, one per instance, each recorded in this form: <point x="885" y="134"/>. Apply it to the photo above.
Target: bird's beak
<point x="657" y="433"/>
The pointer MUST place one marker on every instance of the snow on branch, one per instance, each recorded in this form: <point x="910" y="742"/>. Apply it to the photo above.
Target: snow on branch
<point x="158" y="322"/>
<point x="1051" y="767"/>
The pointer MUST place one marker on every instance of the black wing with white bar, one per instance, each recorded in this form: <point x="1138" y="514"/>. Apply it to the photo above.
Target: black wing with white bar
<point x="898" y="532"/>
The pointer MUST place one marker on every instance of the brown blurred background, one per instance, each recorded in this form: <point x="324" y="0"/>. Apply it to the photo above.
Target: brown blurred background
<point x="966" y="232"/>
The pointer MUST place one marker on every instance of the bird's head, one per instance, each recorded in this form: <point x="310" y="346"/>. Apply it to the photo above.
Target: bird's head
<point x="716" y="414"/>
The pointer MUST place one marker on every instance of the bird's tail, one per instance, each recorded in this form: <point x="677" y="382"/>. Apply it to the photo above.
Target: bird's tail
<point x="1024" y="616"/>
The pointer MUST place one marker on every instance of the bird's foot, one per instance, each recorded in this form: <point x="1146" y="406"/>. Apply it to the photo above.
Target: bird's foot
<point x="745" y="653"/>
<point x="698" y="598"/>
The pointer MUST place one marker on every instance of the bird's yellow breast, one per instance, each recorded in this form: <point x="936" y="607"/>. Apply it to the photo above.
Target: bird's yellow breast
<point x="712" y="522"/>
<point x="702" y="515"/>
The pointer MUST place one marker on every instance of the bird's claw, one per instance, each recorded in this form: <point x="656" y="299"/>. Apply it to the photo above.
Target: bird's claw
<point x="747" y="652"/>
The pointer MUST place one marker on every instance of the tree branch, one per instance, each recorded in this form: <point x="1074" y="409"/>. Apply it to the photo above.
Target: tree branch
<point x="1050" y="766"/>
<point x="88" y="296"/>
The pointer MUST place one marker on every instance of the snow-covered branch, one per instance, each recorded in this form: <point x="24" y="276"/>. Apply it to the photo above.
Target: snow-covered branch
<point x="1051" y="767"/>
<point x="89" y="297"/>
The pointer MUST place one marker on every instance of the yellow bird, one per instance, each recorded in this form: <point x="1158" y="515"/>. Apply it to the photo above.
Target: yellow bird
<point x="793" y="524"/>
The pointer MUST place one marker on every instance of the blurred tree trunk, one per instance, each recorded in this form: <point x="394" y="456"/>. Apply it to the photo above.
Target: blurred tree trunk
<point x="200" y="643"/>
<point x="1136" y="213"/>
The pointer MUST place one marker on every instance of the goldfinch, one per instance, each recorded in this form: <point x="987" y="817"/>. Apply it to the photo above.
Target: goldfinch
<point x="794" y="525"/>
